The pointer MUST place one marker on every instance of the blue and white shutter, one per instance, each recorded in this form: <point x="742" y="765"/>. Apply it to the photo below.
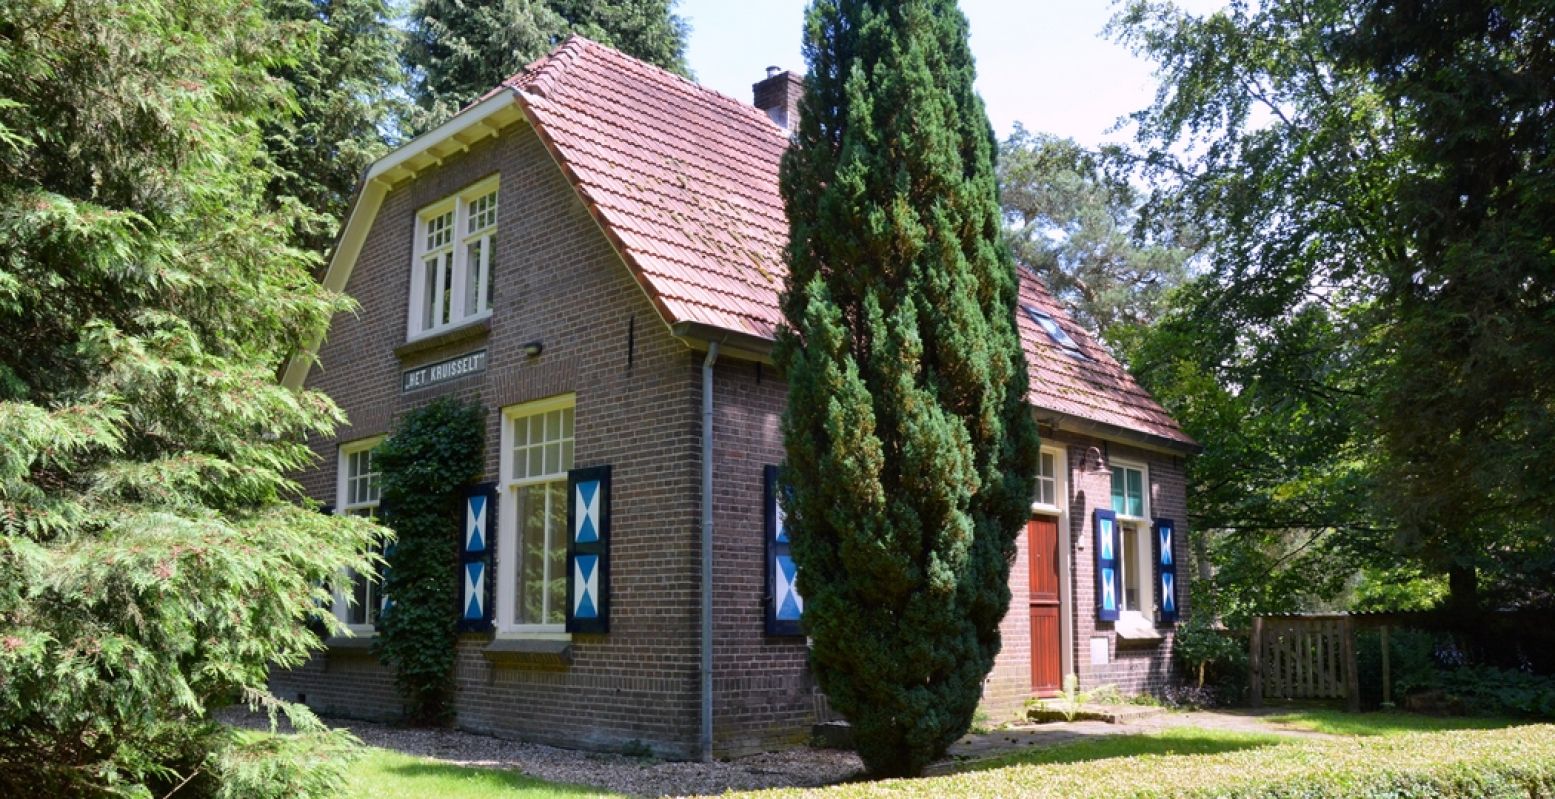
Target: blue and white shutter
<point x="477" y="547"/>
<point x="588" y="550"/>
<point x="1166" y="569"/>
<point x="784" y="605"/>
<point x="1108" y="550"/>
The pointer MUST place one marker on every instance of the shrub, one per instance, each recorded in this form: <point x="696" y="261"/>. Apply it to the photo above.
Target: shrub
<point x="1215" y="662"/>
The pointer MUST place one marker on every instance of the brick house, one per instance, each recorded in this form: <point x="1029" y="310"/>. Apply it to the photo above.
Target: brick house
<point x="593" y="252"/>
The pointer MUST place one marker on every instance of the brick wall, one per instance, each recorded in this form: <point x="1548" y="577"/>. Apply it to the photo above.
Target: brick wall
<point x="555" y="280"/>
<point x="761" y="684"/>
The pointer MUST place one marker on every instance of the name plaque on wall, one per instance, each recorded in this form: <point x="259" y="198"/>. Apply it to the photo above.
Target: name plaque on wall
<point x="443" y="371"/>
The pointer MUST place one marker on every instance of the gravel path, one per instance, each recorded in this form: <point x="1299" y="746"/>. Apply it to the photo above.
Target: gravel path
<point x="798" y="767"/>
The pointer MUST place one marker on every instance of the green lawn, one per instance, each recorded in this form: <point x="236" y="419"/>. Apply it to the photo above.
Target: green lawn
<point x="381" y="774"/>
<point x="1177" y="741"/>
<point x="1380" y="754"/>
<point x="1393" y="722"/>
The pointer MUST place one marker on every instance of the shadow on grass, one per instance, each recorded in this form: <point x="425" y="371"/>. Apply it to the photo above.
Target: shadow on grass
<point x="1180" y="741"/>
<point x="1383" y="723"/>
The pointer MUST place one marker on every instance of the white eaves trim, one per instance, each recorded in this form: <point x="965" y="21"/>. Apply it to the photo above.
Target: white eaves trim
<point x="427" y="150"/>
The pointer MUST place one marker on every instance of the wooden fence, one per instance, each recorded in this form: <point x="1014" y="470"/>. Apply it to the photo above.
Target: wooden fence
<point x="1304" y="657"/>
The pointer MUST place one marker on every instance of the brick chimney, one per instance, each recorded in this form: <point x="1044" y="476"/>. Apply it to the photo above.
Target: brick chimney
<point x="778" y="95"/>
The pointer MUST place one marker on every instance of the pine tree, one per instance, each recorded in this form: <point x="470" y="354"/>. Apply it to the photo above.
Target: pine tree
<point x="911" y="450"/>
<point x="345" y="80"/>
<point x="457" y="50"/>
<point x="155" y="560"/>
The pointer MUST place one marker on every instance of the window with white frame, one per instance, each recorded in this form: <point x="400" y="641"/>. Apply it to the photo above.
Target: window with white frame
<point x="450" y="281"/>
<point x="357" y="494"/>
<point x="537" y="442"/>
<point x="1046" y="495"/>
<point x="1131" y="502"/>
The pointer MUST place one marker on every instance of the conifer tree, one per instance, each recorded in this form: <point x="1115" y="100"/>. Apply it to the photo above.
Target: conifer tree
<point x="155" y="559"/>
<point x="345" y="80"/>
<point x="911" y="450"/>
<point x="457" y="50"/>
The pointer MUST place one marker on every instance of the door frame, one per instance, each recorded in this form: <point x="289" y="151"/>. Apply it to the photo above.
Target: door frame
<point x="1066" y="603"/>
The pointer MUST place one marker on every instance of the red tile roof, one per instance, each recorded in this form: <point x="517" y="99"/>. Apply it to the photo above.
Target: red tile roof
<point x="685" y="180"/>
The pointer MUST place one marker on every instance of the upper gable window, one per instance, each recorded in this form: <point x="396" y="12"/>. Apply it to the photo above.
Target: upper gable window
<point x="450" y="281"/>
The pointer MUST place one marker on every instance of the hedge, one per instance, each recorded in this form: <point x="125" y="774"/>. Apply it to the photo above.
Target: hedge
<point x="1510" y="762"/>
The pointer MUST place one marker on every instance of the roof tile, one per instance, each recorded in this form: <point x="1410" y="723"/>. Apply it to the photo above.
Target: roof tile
<point x="687" y="179"/>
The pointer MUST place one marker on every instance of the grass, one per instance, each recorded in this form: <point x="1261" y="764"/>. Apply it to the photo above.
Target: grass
<point x="1176" y="741"/>
<point x="1517" y="762"/>
<point x="1383" y="723"/>
<point x="381" y="774"/>
<point x="1386" y="754"/>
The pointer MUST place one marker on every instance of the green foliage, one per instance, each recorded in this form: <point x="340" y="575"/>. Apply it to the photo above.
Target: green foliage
<point x="911" y="450"/>
<point x="1369" y="358"/>
<point x="435" y="451"/>
<point x="345" y="79"/>
<point x="455" y="51"/>
<point x="155" y="560"/>
<point x="1210" y="653"/>
<point x="1462" y="764"/>
<point x="1079" y="227"/>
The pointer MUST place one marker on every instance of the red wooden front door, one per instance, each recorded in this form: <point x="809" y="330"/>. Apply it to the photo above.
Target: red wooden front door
<point x="1042" y="544"/>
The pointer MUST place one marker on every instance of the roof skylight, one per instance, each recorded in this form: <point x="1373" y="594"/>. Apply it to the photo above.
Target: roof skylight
<point x="1054" y="331"/>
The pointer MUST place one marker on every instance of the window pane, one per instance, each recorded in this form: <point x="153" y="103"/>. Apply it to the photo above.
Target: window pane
<point x="1130" y="560"/>
<point x="536" y="464"/>
<point x="532" y="548"/>
<point x="1047" y="464"/>
<point x="472" y="277"/>
<point x="566" y="455"/>
<point x="1118" y="505"/>
<point x="357" y="613"/>
<point x="557" y="554"/>
<point x="1136" y="493"/>
<point x="428" y="291"/>
<point x="567" y="424"/>
<point x="446" y="290"/>
<point x="486" y="274"/>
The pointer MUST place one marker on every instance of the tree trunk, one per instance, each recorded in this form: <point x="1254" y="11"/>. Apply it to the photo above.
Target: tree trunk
<point x="1462" y="590"/>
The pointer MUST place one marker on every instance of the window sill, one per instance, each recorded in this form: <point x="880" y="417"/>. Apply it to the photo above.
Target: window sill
<point x="1132" y="626"/>
<point x="453" y="335"/>
<point x="360" y="642"/>
<point x="532" y="653"/>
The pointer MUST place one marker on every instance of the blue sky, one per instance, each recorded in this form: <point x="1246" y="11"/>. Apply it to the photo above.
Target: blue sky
<point x="1043" y="63"/>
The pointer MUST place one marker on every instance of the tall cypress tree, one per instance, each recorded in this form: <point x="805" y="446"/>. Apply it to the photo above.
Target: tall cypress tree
<point x="910" y="447"/>
<point x="456" y="50"/>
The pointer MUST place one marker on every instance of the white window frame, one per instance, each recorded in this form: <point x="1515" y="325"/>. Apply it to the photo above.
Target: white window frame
<point x="1056" y="479"/>
<point x="1139" y="528"/>
<point x="509" y="552"/>
<point x="460" y="239"/>
<point x="342" y="603"/>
